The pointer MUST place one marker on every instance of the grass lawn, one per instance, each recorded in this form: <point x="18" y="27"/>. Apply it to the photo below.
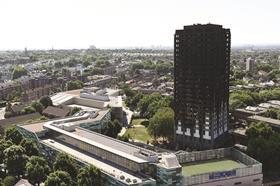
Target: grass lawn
<point x="138" y="133"/>
<point x="137" y="121"/>
<point x="209" y="166"/>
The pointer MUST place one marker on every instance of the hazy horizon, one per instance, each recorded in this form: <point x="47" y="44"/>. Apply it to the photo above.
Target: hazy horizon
<point x="69" y="24"/>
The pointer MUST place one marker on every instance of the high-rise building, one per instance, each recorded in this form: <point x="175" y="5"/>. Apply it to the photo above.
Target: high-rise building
<point x="202" y="63"/>
<point x="250" y="66"/>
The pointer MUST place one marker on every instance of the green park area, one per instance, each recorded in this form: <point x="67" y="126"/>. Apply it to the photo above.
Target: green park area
<point x="139" y="132"/>
<point x="216" y="165"/>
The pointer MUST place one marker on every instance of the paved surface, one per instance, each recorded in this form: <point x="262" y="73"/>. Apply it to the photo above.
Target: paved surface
<point x="122" y="132"/>
<point x="128" y="114"/>
<point x="139" y="126"/>
<point x="2" y="113"/>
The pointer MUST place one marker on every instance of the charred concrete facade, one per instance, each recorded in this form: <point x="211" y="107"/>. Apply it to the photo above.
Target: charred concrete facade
<point x="202" y="62"/>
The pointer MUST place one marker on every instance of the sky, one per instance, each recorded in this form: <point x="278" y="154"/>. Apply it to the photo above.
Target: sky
<point x="66" y="24"/>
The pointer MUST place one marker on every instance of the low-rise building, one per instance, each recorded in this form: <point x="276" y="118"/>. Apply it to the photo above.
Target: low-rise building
<point x="224" y="167"/>
<point x="91" y="99"/>
<point x="122" y="163"/>
<point x="100" y="80"/>
<point x="248" y="111"/>
<point x="55" y="112"/>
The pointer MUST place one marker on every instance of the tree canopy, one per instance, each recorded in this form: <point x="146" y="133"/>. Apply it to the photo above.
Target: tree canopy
<point x="65" y="163"/>
<point x="18" y="72"/>
<point x="4" y="145"/>
<point x="264" y="145"/>
<point x="58" y="178"/>
<point x="9" y="181"/>
<point x="162" y="124"/>
<point x="89" y="176"/>
<point x="37" y="170"/>
<point x="46" y="101"/>
<point x="12" y="134"/>
<point x="30" y="147"/>
<point x="15" y="160"/>
<point x="39" y="107"/>
<point x="241" y="98"/>
<point x="75" y="84"/>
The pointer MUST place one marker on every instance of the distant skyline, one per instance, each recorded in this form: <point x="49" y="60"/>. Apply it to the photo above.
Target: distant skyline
<point x="46" y="24"/>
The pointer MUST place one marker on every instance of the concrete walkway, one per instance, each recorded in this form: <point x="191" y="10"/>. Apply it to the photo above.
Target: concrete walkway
<point x="128" y="114"/>
<point x="122" y="132"/>
<point x="2" y="113"/>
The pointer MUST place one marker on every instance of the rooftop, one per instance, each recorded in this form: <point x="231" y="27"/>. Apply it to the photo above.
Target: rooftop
<point x="274" y="102"/>
<point x="90" y="97"/>
<point x="113" y="171"/>
<point x="82" y="117"/>
<point x="35" y="127"/>
<point x="120" y="148"/>
<point x="208" y="166"/>
<point x="85" y="108"/>
<point x="55" y="111"/>
<point x="266" y="119"/>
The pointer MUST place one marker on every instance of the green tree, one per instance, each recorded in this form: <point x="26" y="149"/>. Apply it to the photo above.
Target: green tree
<point x="2" y="131"/>
<point x="162" y="124"/>
<point x="58" y="178"/>
<point x="265" y="67"/>
<point x="76" y="84"/>
<point x="15" y="160"/>
<point x="274" y="74"/>
<point x="86" y="63"/>
<point x="146" y="101"/>
<point x="37" y="170"/>
<point x="28" y="110"/>
<point x="46" y="101"/>
<point x="164" y="68"/>
<point x="9" y="181"/>
<point x="133" y="101"/>
<point x="37" y="106"/>
<point x="4" y="145"/>
<point x="72" y="62"/>
<point x="58" y="64"/>
<point x="30" y="147"/>
<point x="102" y="63"/>
<point x="18" y="72"/>
<point x="128" y="91"/>
<point x="237" y="74"/>
<point x="259" y="129"/>
<point x="12" y="134"/>
<point x="89" y="176"/>
<point x="262" y="144"/>
<point x="65" y="163"/>
<point x="273" y="113"/>
<point x="156" y="105"/>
